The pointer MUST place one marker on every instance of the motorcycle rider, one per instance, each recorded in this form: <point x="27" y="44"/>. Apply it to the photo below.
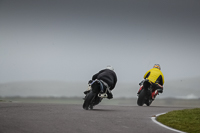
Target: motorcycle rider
<point x="108" y="78"/>
<point x="154" y="76"/>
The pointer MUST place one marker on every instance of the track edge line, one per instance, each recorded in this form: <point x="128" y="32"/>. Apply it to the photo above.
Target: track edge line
<point x="153" y="118"/>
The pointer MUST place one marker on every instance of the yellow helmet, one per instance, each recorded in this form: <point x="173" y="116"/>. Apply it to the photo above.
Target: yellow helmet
<point x="157" y="66"/>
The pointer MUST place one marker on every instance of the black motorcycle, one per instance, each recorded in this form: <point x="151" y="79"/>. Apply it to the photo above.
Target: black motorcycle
<point x="94" y="95"/>
<point x="145" y="95"/>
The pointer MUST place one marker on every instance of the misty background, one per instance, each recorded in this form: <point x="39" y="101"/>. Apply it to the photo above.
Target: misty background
<point x="53" y="47"/>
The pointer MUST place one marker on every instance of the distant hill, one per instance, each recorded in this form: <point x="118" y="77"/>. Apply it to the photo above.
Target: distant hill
<point x="183" y="88"/>
<point x="187" y="88"/>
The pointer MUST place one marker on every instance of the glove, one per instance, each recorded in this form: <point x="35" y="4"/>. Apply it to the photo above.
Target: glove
<point x="141" y="82"/>
<point x="90" y="81"/>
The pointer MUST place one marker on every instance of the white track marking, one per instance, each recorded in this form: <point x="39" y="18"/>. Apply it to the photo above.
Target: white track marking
<point x="153" y="118"/>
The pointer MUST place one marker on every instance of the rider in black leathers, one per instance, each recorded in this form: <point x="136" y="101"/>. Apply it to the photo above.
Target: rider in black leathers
<point x="109" y="79"/>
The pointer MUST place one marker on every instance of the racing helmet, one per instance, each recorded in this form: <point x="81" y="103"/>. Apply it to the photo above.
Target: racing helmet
<point x="157" y="66"/>
<point x="110" y="67"/>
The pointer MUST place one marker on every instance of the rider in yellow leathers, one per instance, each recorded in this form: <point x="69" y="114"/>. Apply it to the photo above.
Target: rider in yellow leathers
<point x="154" y="76"/>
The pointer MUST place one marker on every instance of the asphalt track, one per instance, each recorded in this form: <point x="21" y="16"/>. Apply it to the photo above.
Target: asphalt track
<point x="68" y="118"/>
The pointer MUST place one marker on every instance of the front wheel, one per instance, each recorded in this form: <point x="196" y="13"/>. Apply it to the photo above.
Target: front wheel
<point x="88" y="100"/>
<point x="141" y="97"/>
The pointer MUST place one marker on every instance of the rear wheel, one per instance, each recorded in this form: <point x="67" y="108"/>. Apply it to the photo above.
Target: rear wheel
<point x="88" y="100"/>
<point x="141" y="97"/>
<point x="148" y="100"/>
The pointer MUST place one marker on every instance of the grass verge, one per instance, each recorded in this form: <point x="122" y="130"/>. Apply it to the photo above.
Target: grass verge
<point x="187" y="120"/>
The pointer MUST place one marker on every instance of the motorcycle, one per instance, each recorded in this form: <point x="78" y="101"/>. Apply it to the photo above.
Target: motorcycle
<point x="94" y="94"/>
<point x="146" y="96"/>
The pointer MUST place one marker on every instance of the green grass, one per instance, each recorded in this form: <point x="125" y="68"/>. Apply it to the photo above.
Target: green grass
<point x="187" y="120"/>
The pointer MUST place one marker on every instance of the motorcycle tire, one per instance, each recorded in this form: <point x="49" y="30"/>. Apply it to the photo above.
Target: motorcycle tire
<point x="88" y="100"/>
<point x="148" y="100"/>
<point x="142" y="97"/>
<point x="148" y="103"/>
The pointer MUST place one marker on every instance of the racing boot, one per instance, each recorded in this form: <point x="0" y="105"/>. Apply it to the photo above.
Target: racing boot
<point x="110" y="95"/>
<point x="160" y="90"/>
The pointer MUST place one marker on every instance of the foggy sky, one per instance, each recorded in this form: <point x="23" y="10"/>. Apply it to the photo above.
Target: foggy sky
<point x="71" y="40"/>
